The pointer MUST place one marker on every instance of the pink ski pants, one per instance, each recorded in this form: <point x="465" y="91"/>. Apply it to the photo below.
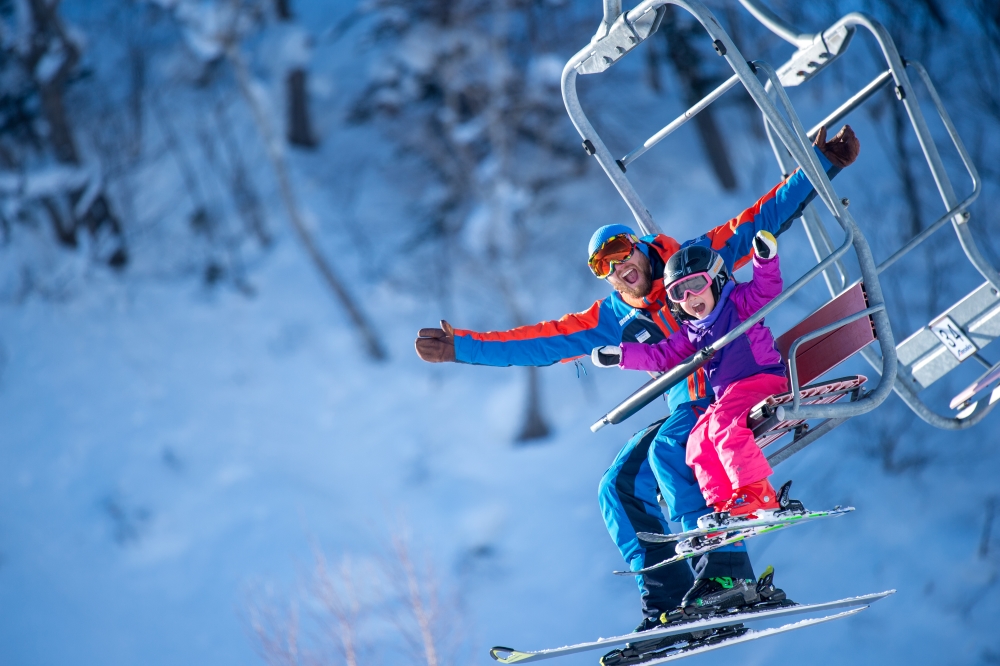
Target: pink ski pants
<point x="720" y="448"/>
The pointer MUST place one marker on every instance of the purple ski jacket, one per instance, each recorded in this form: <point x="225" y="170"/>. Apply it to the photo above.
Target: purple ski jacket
<point x="750" y="354"/>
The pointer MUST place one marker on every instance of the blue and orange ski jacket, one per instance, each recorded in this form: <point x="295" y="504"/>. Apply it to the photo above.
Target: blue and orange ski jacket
<point x="619" y="318"/>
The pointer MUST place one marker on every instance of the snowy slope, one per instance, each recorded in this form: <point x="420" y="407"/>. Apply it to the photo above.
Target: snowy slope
<point x="164" y="449"/>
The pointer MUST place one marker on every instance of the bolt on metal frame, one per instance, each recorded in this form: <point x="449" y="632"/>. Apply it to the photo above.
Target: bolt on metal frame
<point x="800" y="68"/>
<point x="619" y="33"/>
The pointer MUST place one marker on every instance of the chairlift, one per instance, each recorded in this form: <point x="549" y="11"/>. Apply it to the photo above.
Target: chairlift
<point x="855" y="320"/>
<point x="962" y="330"/>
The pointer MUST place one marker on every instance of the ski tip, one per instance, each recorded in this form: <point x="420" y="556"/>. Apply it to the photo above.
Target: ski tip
<point x="625" y="573"/>
<point x="506" y="655"/>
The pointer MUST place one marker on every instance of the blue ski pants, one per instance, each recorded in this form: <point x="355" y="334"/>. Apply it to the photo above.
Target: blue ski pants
<point x="655" y="459"/>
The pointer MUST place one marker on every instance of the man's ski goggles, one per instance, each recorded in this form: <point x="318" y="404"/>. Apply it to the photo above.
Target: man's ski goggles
<point x="615" y="250"/>
<point x="692" y="284"/>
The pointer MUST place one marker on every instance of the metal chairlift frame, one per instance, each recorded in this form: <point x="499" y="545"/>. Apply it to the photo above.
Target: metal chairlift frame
<point x="804" y="64"/>
<point x="619" y="33"/>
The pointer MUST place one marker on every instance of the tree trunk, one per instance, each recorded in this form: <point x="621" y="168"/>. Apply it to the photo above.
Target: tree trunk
<point x="97" y="214"/>
<point x="273" y="148"/>
<point x="299" y="127"/>
<point x="534" y="426"/>
<point x="296" y="92"/>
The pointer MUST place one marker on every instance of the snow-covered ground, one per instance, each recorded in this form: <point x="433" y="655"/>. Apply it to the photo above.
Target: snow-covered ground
<point x="165" y="450"/>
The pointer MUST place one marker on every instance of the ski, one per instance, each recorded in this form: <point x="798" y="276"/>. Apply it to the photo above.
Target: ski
<point x="732" y="532"/>
<point x="652" y="537"/>
<point x="742" y="635"/>
<point x="507" y="655"/>
<point x="733" y="536"/>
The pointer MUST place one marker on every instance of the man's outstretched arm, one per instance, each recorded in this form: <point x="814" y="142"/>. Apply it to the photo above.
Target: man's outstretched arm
<point x="539" y="344"/>
<point x="775" y="211"/>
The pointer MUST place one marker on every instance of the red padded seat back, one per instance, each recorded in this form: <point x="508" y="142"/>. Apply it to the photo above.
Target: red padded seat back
<point x="820" y="355"/>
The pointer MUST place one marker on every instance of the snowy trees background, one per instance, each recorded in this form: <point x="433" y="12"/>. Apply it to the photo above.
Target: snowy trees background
<point x="184" y="185"/>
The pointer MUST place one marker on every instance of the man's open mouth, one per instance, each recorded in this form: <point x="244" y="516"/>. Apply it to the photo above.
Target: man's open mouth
<point x="630" y="275"/>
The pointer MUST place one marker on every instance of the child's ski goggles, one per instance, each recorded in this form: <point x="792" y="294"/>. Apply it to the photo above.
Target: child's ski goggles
<point x="692" y="284"/>
<point x="613" y="251"/>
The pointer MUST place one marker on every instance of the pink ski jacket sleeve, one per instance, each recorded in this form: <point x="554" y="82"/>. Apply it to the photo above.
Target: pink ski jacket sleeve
<point x="661" y="356"/>
<point x="748" y="297"/>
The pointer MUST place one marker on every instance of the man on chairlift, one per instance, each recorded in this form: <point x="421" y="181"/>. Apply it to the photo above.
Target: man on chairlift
<point x="653" y="460"/>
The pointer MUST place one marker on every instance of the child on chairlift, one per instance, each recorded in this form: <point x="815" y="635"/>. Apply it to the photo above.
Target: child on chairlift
<point x="731" y="469"/>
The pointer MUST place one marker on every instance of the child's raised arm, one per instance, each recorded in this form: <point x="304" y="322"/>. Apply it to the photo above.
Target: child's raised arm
<point x="766" y="283"/>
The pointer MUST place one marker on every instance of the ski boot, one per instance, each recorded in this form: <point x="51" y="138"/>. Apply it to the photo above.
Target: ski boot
<point x="756" y="500"/>
<point x="711" y="596"/>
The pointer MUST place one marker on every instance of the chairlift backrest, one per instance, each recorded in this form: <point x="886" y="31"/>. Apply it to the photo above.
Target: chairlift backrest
<point x="816" y="357"/>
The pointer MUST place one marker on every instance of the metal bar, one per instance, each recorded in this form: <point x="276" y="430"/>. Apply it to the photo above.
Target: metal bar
<point x="866" y="263"/>
<point x="965" y="238"/>
<point x="926" y="233"/>
<point x="604" y="157"/>
<point x="802" y="442"/>
<point x="680" y="120"/>
<point x="793" y="350"/>
<point x="653" y="389"/>
<point x="857" y="100"/>
<point x="821" y="246"/>
<point x="612" y="10"/>
<point x="913" y="401"/>
<point x="776" y="24"/>
<point x="816" y="233"/>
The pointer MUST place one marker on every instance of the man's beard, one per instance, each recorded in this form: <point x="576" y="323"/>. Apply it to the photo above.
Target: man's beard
<point x="640" y="289"/>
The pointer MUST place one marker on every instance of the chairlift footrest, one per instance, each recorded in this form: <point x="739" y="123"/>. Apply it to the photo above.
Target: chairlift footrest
<point x="766" y="426"/>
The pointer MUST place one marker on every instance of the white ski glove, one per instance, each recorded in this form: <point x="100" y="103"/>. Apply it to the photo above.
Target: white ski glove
<point x="765" y="244"/>
<point x="608" y="356"/>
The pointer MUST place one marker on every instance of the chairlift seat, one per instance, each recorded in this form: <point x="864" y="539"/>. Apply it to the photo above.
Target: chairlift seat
<point x="815" y="358"/>
<point x="766" y="426"/>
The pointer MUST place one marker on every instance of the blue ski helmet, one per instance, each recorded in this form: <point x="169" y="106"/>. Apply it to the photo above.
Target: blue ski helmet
<point x="604" y="233"/>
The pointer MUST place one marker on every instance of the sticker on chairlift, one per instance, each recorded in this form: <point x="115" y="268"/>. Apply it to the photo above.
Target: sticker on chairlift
<point x="953" y="338"/>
